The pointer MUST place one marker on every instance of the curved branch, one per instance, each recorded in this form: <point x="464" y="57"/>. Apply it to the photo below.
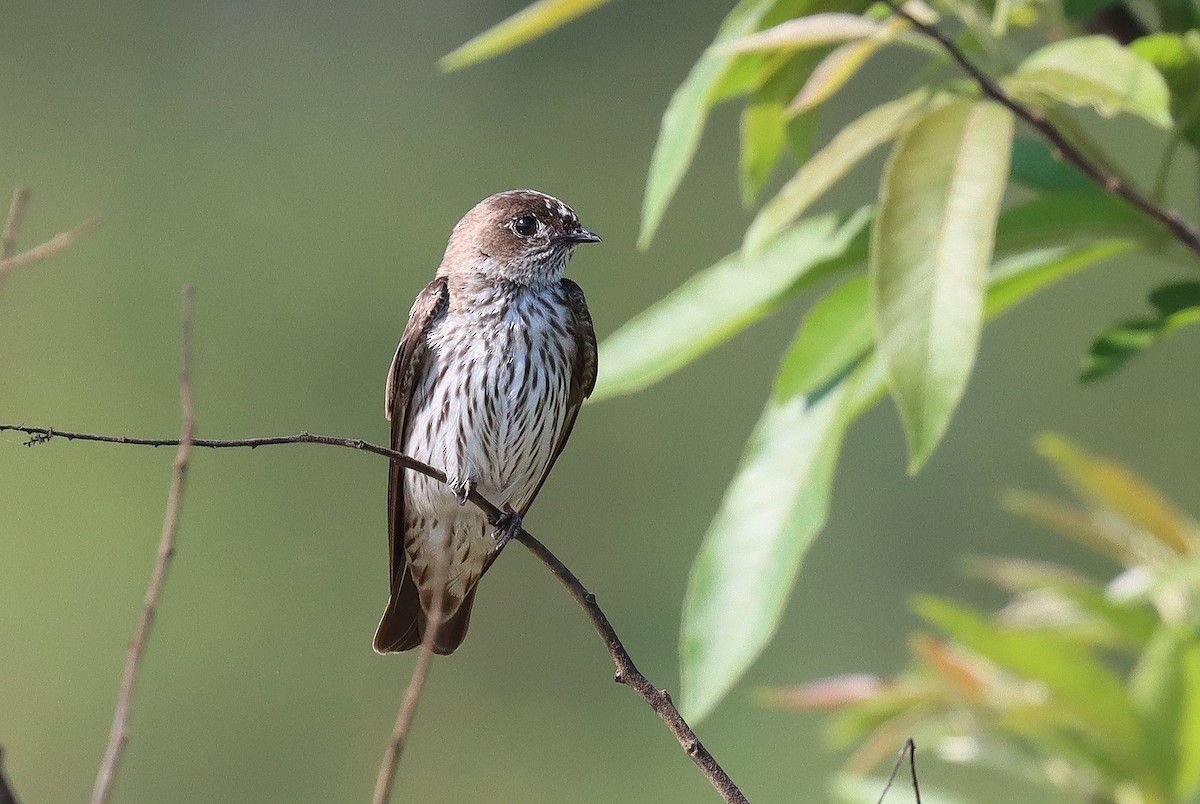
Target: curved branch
<point x="626" y="671"/>
<point x="1172" y="220"/>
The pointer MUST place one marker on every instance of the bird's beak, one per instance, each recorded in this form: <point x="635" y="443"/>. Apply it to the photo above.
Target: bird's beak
<point x="580" y="235"/>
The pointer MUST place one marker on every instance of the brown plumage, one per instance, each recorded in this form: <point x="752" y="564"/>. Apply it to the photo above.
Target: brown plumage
<point x="497" y="357"/>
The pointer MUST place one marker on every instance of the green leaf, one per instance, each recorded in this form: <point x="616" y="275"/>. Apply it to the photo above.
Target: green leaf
<point x="813" y="30"/>
<point x="749" y="558"/>
<point x="930" y="249"/>
<point x="1034" y="165"/>
<point x="683" y="121"/>
<point x="765" y="125"/>
<point x="1157" y="689"/>
<point x="832" y="73"/>
<point x="1177" y="57"/>
<point x="1188" y="779"/>
<point x="1178" y="305"/>
<point x="717" y="303"/>
<point x="1093" y="71"/>
<point x="524" y="26"/>
<point x="1068" y="218"/>
<point x="835" y="333"/>
<point x="1015" y="279"/>
<point x="1074" y="678"/>
<point x="829" y="165"/>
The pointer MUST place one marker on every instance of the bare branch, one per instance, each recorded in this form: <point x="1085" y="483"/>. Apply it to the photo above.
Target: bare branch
<point x="12" y="227"/>
<point x="412" y="695"/>
<point x="626" y="671"/>
<point x="47" y="249"/>
<point x="1172" y="220"/>
<point x="910" y="749"/>
<point x="118" y="737"/>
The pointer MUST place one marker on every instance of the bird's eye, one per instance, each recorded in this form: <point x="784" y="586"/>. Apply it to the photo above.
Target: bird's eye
<point x="525" y="226"/>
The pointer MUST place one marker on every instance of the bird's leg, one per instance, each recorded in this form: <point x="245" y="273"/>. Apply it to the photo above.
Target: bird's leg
<point x="507" y="526"/>
<point x="462" y="489"/>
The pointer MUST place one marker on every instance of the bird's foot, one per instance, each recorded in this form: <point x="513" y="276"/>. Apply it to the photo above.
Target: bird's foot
<point x="507" y="526"/>
<point x="462" y="489"/>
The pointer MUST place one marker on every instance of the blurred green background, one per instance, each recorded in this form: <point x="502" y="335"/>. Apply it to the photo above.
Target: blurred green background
<point x="301" y="164"/>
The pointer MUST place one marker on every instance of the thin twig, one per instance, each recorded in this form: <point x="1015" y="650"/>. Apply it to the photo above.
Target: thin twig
<point x="626" y="671"/>
<point x="118" y="737"/>
<point x="910" y="749"/>
<point x="1172" y="220"/>
<point x="47" y="249"/>
<point x="412" y="695"/>
<point x="12" y="226"/>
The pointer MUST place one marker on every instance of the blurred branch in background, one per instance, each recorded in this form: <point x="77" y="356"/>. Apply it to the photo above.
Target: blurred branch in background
<point x="12" y="230"/>
<point x="412" y="695"/>
<point x="118" y="737"/>
<point x="627" y="673"/>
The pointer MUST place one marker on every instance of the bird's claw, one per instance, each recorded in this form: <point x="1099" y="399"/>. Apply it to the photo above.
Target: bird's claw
<point x="506" y="527"/>
<point x="462" y="489"/>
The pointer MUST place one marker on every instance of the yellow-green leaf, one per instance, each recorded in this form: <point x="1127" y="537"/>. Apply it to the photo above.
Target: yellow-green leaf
<point x="930" y="249"/>
<point x="526" y="25"/>
<point x="683" y="121"/>
<point x="717" y="303"/>
<point x="1093" y="71"/>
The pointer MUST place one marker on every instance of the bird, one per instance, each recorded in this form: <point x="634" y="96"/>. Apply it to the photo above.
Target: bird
<point x="497" y="357"/>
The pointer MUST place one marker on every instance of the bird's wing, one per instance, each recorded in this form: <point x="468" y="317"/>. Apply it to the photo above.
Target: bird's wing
<point x="428" y="308"/>
<point x="583" y="375"/>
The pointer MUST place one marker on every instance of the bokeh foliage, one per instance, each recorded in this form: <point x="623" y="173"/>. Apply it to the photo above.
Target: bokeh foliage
<point x="917" y="294"/>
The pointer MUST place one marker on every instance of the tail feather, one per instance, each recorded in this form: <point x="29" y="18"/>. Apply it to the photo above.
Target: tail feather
<point x="404" y="622"/>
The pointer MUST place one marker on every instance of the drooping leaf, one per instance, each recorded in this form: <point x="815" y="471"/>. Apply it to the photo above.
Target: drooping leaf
<point x="1177" y="305"/>
<point x="749" y="558"/>
<point x="826" y="167"/>
<point x="1114" y="486"/>
<point x="765" y="125"/>
<point x="813" y="30"/>
<point x="1157" y="688"/>
<point x="1074" y="678"/>
<point x="1034" y="166"/>
<point x="1093" y="71"/>
<point x="835" y="333"/>
<point x="1177" y="57"/>
<point x="683" y="121"/>
<point x="526" y="25"/>
<point x="715" y="304"/>
<point x="930" y="249"/>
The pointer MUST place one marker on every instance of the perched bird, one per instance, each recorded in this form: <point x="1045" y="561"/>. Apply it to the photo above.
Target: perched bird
<point x="497" y="357"/>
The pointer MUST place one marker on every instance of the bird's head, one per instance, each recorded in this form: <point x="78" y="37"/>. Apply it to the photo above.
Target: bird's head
<point x="520" y="236"/>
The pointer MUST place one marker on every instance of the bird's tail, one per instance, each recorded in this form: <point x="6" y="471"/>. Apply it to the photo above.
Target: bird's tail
<point x="405" y="620"/>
